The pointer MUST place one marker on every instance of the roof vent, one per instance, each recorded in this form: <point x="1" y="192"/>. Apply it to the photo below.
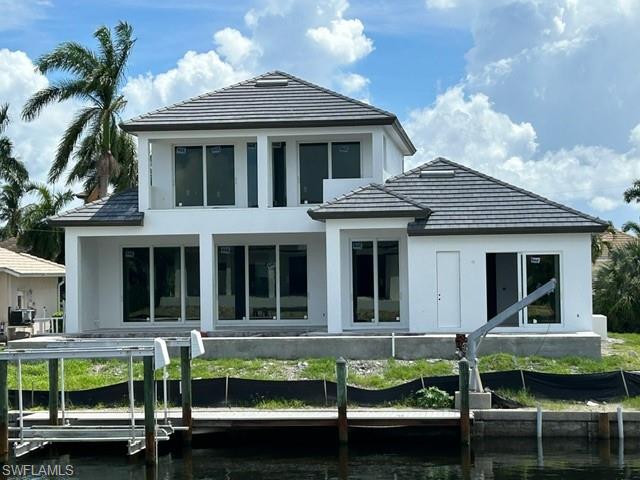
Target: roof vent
<point x="437" y="173"/>
<point x="272" y="82"/>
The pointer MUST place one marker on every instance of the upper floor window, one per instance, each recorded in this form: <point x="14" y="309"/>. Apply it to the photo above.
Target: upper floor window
<point x="320" y="161"/>
<point x="210" y="182"/>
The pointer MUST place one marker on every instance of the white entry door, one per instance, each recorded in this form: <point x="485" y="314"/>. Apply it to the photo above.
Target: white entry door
<point x="448" y="294"/>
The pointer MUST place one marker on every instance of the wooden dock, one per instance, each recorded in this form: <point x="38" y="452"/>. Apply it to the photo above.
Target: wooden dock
<point x="223" y="419"/>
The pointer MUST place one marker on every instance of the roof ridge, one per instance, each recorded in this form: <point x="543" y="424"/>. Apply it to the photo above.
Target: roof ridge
<point x="202" y="95"/>
<point x="519" y="189"/>
<point x="336" y="94"/>
<point x="344" y="195"/>
<point x="404" y="198"/>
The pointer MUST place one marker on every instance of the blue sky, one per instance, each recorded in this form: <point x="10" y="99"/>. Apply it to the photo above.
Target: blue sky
<point x="540" y="93"/>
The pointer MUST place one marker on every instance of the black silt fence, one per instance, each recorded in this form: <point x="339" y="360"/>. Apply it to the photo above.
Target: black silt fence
<point x="216" y="392"/>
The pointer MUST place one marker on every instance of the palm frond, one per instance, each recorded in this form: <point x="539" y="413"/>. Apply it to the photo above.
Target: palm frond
<point x="632" y="227"/>
<point x="39" y="100"/>
<point x="69" y="57"/>
<point x="632" y="194"/>
<point x="4" y="116"/>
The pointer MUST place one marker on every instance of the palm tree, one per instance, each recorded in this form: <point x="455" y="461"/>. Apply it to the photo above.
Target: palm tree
<point x="598" y="243"/>
<point x="633" y="227"/>
<point x="37" y="235"/>
<point x="617" y="288"/>
<point x="632" y="194"/>
<point x="14" y="173"/>
<point x="95" y="79"/>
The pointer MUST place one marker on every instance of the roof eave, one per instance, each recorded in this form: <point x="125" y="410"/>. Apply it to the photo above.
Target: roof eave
<point x="321" y="216"/>
<point x="415" y="231"/>
<point x="137" y="222"/>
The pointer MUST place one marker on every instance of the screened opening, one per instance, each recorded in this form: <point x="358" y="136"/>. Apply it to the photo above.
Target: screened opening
<point x="363" y="282"/>
<point x="188" y="177"/>
<point x="252" y="175"/>
<point x="314" y="168"/>
<point x="345" y="160"/>
<point x="220" y="175"/>
<point x="167" y="297"/>
<point x="279" y="171"/>
<point x="539" y="270"/>
<point x="192" y="266"/>
<point x="293" y="281"/>
<point x="388" y="282"/>
<point x="136" y="278"/>
<point x="502" y="285"/>
<point x="231" y="283"/>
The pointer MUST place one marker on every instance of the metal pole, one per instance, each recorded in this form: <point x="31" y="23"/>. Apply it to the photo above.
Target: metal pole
<point x="465" y="424"/>
<point x="132" y="400"/>
<point x="341" y="397"/>
<point x="53" y="391"/>
<point x="620" y="424"/>
<point x="4" y="411"/>
<point x="185" y="382"/>
<point x="165" y="376"/>
<point x="539" y="422"/>
<point x="20" y="412"/>
<point x="149" y="412"/>
<point x="62" y="399"/>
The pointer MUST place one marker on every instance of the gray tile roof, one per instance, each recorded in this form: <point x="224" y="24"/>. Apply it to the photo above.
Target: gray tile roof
<point x="373" y="200"/>
<point x="274" y="99"/>
<point x="115" y="210"/>
<point x="461" y="200"/>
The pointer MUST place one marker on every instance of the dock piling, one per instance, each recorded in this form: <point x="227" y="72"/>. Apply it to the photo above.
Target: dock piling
<point x="465" y="423"/>
<point x="149" y="411"/>
<point x="4" y="411"/>
<point x="185" y="381"/>
<point x="341" y="397"/>
<point x="603" y="426"/>
<point x="620" y="423"/>
<point x="539" y="422"/>
<point x="53" y="391"/>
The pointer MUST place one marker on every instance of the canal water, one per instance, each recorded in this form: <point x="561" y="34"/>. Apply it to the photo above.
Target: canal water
<point x="506" y="459"/>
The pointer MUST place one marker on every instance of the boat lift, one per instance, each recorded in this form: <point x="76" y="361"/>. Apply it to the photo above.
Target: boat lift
<point x="155" y="356"/>
<point x="474" y="339"/>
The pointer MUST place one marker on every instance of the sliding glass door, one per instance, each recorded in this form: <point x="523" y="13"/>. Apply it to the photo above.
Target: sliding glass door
<point x="375" y="276"/>
<point x="262" y="283"/>
<point x="160" y="284"/>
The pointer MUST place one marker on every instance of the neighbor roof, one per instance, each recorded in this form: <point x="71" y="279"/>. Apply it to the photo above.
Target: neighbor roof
<point x="119" y="209"/>
<point x="274" y="99"/>
<point x="25" y="265"/>
<point x="455" y="199"/>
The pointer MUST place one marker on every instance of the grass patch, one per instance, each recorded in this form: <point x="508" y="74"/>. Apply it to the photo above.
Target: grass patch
<point x="277" y="403"/>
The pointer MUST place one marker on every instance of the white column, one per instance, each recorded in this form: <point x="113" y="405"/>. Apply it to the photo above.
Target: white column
<point x="377" y="152"/>
<point x="207" y="300"/>
<point x="264" y="176"/>
<point x="334" y="279"/>
<point x="73" y="257"/>
<point x="143" y="173"/>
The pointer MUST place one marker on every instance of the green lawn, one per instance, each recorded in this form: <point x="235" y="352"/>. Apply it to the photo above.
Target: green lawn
<point x="623" y="353"/>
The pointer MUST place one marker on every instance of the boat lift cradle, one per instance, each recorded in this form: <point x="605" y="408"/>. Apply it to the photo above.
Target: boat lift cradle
<point x="474" y="339"/>
<point x="28" y="439"/>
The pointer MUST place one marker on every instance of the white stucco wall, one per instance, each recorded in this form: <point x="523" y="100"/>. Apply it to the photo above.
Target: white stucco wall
<point x="575" y="273"/>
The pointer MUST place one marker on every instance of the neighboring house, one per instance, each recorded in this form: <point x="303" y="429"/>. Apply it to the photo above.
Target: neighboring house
<point x="610" y="241"/>
<point x="276" y="203"/>
<point x="29" y="282"/>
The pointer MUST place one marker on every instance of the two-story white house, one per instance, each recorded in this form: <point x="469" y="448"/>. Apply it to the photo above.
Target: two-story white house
<point x="278" y="204"/>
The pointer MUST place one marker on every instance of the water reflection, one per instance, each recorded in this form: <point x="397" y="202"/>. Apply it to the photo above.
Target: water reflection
<point x="568" y="459"/>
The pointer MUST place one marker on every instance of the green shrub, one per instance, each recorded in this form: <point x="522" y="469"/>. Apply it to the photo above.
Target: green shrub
<point x="433" y="397"/>
<point x="617" y="289"/>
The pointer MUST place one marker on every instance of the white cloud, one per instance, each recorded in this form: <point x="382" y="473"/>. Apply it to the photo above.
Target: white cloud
<point x="34" y="142"/>
<point x="344" y="40"/>
<point x="312" y="39"/>
<point x="468" y="129"/>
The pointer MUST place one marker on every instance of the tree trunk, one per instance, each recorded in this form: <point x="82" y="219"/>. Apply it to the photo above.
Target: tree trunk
<point x="103" y="170"/>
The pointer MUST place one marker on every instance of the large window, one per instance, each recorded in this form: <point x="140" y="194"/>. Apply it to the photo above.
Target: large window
<point x="136" y="281"/>
<point x="262" y="282"/>
<point x="188" y="177"/>
<point x="313" y="170"/>
<point x="345" y="160"/>
<point x="375" y="281"/>
<point x="511" y="276"/>
<point x="320" y="161"/>
<point x="220" y="175"/>
<point x="231" y="283"/>
<point x="191" y="189"/>
<point x="171" y="293"/>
